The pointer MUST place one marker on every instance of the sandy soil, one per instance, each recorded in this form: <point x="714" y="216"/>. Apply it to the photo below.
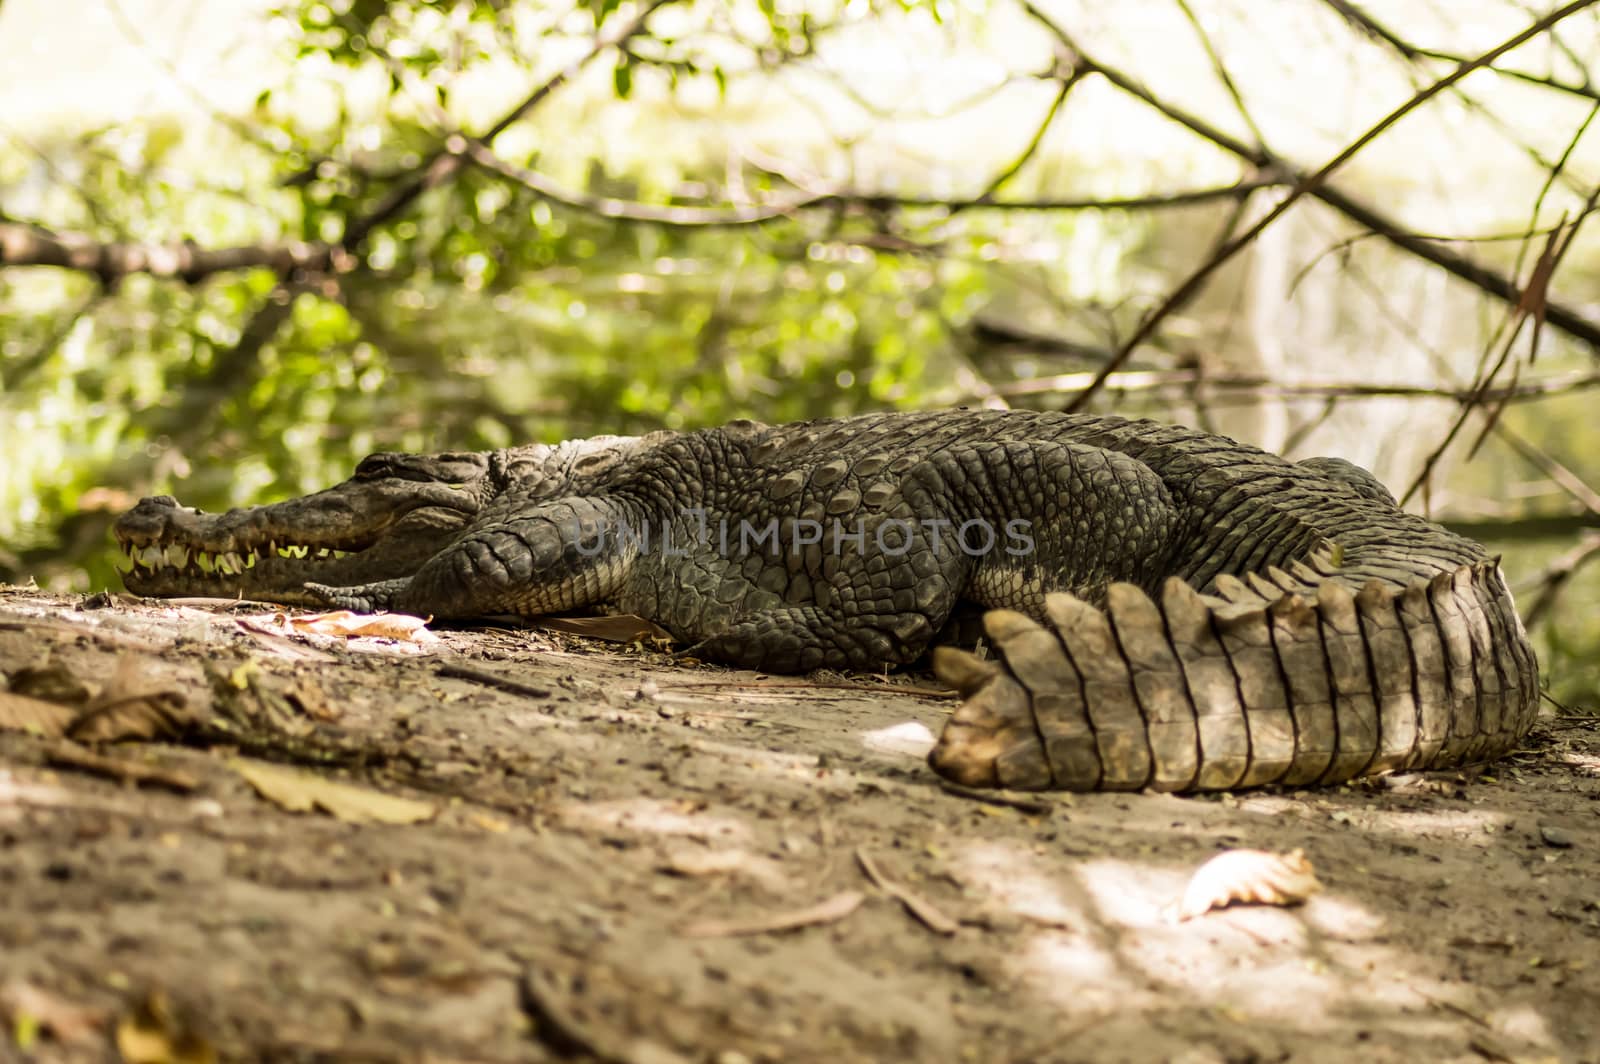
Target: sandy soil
<point x="618" y="842"/>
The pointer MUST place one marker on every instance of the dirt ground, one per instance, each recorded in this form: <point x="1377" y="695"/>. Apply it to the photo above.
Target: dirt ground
<point x="629" y="860"/>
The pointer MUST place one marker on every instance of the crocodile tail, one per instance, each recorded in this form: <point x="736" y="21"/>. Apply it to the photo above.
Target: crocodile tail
<point x="1291" y="678"/>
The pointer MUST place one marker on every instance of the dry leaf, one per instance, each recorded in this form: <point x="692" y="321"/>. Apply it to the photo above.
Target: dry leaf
<point x="301" y="792"/>
<point x="150" y="1035"/>
<point x="1252" y="876"/>
<point x="351" y="625"/>
<point x="22" y="713"/>
<point x="615" y="628"/>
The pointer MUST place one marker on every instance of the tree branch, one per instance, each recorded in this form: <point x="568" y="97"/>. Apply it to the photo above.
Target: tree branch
<point x="733" y="215"/>
<point x="23" y="244"/>
<point x="1187" y="382"/>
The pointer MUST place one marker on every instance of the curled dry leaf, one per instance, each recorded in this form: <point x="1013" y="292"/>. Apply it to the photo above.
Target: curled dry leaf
<point x="1252" y="876"/>
<point x="350" y="625"/>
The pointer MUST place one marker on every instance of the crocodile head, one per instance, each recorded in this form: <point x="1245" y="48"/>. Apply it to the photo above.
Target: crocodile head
<point x="383" y="523"/>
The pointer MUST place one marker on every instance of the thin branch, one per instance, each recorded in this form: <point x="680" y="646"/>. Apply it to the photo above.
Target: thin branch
<point x="1532" y="306"/>
<point x="1372" y="27"/>
<point x="628" y="210"/>
<point x="14" y="373"/>
<point x="1314" y="183"/>
<point x="1219" y="68"/>
<point x="1416" y="56"/>
<point x="1553" y="579"/>
<point x="1032" y="147"/>
<point x="729" y="216"/>
<point x="1551" y="467"/>
<point x="1254" y="387"/>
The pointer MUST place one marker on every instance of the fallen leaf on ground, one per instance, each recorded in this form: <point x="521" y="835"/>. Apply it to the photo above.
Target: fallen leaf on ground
<point x="1252" y="876"/>
<point x="834" y="909"/>
<point x="616" y="628"/>
<point x="302" y="792"/>
<point x="149" y="1034"/>
<point x="399" y="626"/>
<point x="22" y="713"/>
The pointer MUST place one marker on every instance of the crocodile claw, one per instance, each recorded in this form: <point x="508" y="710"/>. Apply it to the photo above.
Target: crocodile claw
<point x="369" y="598"/>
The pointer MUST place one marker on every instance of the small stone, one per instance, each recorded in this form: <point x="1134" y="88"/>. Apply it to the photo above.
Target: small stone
<point x="1557" y="837"/>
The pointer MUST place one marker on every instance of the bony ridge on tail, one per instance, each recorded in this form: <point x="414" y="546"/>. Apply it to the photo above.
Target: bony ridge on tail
<point x="1168" y="608"/>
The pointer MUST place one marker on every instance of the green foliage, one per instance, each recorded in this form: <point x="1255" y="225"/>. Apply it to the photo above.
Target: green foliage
<point x="480" y="315"/>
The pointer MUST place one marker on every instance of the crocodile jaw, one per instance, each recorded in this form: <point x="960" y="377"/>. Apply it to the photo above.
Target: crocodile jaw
<point x="361" y="531"/>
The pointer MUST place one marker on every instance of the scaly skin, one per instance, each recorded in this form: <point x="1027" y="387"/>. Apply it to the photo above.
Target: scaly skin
<point x="1131" y="654"/>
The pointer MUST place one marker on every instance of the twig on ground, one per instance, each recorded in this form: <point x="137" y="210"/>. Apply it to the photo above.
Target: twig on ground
<point x="457" y="671"/>
<point x="830" y="911"/>
<point x="916" y="905"/>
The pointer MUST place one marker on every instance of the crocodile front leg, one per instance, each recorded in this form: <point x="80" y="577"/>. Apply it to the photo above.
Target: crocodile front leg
<point x="551" y="556"/>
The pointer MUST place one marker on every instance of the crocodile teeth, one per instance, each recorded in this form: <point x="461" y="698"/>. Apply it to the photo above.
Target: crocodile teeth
<point x="152" y="557"/>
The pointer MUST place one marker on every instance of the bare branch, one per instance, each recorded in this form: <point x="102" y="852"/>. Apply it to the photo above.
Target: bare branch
<point x="1547" y="464"/>
<point x="1185" y="382"/>
<point x="1314" y="184"/>
<point x="1553" y="579"/>
<point x="1530" y="306"/>
<point x="1219" y="68"/>
<point x="732" y="215"/>
<point x="1032" y="147"/>
<point x="1373" y="28"/>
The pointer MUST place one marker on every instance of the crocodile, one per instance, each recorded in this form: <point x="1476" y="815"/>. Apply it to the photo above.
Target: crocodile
<point x="1161" y="607"/>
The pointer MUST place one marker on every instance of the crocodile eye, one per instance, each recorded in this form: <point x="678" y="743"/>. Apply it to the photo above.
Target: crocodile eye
<point x="374" y="467"/>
